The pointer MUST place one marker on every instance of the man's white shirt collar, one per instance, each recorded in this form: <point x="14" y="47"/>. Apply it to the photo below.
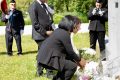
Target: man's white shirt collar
<point x="39" y="2"/>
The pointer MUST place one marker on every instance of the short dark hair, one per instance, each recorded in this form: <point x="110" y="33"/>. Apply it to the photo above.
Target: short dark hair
<point x="68" y="22"/>
<point x="12" y="1"/>
<point x="99" y="1"/>
<point x="77" y="20"/>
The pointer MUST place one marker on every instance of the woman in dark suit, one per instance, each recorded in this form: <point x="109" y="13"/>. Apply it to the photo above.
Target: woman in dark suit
<point x="56" y="50"/>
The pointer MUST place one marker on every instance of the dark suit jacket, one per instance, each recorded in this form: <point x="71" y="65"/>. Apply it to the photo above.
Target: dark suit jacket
<point x="15" y="22"/>
<point x="55" y="49"/>
<point x="97" y="23"/>
<point x="40" y="21"/>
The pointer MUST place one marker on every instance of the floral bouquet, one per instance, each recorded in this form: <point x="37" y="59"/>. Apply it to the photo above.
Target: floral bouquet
<point x="88" y="54"/>
<point x="92" y="67"/>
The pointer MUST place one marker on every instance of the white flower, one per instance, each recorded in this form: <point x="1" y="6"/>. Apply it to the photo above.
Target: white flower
<point x="91" y="68"/>
<point x="90" y="51"/>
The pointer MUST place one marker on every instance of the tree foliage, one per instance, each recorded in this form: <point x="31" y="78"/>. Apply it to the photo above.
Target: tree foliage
<point x="80" y="6"/>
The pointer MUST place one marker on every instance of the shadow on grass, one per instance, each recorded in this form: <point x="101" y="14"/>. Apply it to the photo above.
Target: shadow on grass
<point x="29" y="52"/>
<point x="24" y="53"/>
<point x="4" y="53"/>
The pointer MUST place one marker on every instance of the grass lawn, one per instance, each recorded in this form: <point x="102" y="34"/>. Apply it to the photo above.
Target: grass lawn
<point x="24" y="67"/>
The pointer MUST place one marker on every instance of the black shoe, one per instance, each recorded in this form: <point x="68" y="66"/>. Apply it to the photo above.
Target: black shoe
<point x="50" y="74"/>
<point x="19" y="54"/>
<point x="54" y="78"/>
<point x="39" y="73"/>
<point x="10" y="54"/>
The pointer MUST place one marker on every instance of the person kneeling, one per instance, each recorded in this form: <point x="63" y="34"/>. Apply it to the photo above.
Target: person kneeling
<point x="57" y="48"/>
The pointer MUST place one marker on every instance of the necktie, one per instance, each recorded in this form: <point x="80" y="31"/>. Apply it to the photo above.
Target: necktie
<point x="49" y="14"/>
<point x="11" y="18"/>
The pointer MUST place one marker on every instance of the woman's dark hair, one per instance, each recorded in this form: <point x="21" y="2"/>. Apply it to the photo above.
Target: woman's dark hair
<point x="68" y="22"/>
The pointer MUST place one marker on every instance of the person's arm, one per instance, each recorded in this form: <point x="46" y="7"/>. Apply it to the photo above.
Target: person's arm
<point x="105" y="15"/>
<point x="70" y="52"/>
<point x="35" y="22"/>
<point x="92" y="15"/>
<point x="68" y="46"/>
<point x="22" y="23"/>
<point x="3" y="18"/>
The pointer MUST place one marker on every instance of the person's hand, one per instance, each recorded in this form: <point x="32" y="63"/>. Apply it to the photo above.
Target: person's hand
<point x="94" y="11"/>
<point x="49" y="32"/>
<point x="82" y="63"/>
<point x="7" y="16"/>
<point x="101" y="12"/>
<point x="21" y="32"/>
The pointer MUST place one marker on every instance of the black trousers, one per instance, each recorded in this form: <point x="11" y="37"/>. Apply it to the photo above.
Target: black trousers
<point x="9" y="41"/>
<point x="67" y="72"/>
<point x="97" y="35"/>
<point x="39" y="67"/>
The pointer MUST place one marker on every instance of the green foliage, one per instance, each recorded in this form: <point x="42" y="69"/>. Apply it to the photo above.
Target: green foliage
<point x="2" y="24"/>
<point x="57" y="18"/>
<point x="106" y="26"/>
<point x="23" y="5"/>
<point x="27" y="20"/>
<point x="88" y="56"/>
<point x="84" y="5"/>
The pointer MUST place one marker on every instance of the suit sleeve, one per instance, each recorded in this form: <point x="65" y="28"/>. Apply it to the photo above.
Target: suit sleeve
<point x="35" y="22"/>
<point x="3" y="19"/>
<point x="22" y="23"/>
<point x="68" y="46"/>
<point x="90" y="15"/>
<point x="105" y="15"/>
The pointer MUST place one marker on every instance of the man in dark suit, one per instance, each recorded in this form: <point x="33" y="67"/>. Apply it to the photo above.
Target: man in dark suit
<point x="98" y="16"/>
<point x="41" y="24"/>
<point x="14" y="26"/>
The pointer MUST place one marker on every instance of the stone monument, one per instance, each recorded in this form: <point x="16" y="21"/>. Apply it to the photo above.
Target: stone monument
<point x="113" y="49"/>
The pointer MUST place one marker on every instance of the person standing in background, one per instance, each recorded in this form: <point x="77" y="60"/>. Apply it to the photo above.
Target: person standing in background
<point x="42" y="22"/>
<point x="98" y="16"/>
<point x="14" y="28"/>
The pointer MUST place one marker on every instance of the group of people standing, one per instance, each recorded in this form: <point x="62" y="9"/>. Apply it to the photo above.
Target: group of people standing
<point x="55" y="50"/>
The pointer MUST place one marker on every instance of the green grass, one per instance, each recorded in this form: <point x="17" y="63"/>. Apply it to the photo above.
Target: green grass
<point x="24" y="67"/>
<point x="81" y="40"/>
